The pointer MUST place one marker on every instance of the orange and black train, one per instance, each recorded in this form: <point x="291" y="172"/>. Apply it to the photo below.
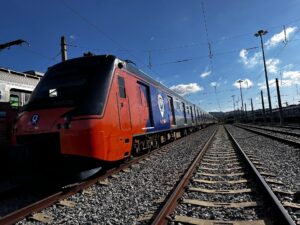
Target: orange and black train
<point x="103" y="108"/>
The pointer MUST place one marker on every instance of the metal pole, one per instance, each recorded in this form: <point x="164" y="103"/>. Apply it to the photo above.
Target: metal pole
<point x="253" y="117"/>
<point x="246" y="112"/>
<point x="263" y="106"/>
<point x="242" y="103"/>
<point x="63" y="49"/>
<point x="233" y="106"/>
<point x="260" y="33"/>
<point x="279" y="103"/>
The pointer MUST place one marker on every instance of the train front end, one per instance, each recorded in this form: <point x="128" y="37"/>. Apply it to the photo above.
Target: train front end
<point x="63" y="118"/>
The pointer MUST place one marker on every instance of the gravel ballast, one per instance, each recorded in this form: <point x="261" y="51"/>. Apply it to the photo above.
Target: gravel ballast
<point x="277" y="158"/>
<point x="134" y="194"/>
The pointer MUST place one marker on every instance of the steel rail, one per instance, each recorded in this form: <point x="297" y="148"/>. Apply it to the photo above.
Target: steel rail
<point x="275" y="131"/>
<point x="284" y="216"/>
<point x="171" y="203"/>
<point x="286" y="141"/>
<point x="288" y="127"/>
<point x="71" y="190"/>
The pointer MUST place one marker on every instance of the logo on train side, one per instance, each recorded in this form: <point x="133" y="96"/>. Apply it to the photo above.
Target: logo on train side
<point x="34" y="119"/>
<point x="161" y="105"/>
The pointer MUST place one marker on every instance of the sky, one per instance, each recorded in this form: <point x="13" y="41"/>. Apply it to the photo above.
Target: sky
<point x="199" y="48"/>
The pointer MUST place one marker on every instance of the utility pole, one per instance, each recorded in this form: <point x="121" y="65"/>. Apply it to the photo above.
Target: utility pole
<point x="279" y="102"/>
<point x="253" y="117"/>
<point x="259" y="34"/>
<point x="242" y="103"/>
<point x="246" y="112"/>
<point x="63" y="49"/>
<point x="233" y="106"/>
<point x="263" y="106"/>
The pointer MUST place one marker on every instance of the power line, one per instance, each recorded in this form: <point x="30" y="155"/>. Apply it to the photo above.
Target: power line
<point x="102" y="32"/>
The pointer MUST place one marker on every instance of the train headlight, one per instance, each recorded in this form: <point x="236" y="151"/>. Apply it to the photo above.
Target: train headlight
<point x="67" y="118"/>
<point x="67" y="125"/>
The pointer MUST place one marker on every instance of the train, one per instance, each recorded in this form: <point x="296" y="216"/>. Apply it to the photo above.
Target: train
<point x="15" y="90"/>
<point x="104" y="109"/>
<point x="290" y="113"/>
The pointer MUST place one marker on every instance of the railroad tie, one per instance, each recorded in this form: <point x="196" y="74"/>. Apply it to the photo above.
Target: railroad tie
<point x="220" y="181"/>
<point x="221" y="204"/>
<point x="66" y="203"/>
<point x="221" y="175"/>
<point x="233" y="191"/>
<point x="196" y="221"/>
<point x="41" y="217"/>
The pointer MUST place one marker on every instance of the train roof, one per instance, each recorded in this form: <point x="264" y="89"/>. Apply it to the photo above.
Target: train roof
<point x="128" y="65"/>
<point x="131" y="68"/>
<point x="18" y="78"/>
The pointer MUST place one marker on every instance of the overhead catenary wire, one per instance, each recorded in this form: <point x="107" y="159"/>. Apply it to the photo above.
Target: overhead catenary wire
<point x="105" y="35"/>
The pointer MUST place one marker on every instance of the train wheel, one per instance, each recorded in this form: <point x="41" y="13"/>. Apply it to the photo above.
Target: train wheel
<point x="137" y="150"/>
<point x="185" y="132"/>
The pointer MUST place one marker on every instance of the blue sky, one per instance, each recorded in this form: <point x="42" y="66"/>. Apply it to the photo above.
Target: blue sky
<point x="173" y="32"/>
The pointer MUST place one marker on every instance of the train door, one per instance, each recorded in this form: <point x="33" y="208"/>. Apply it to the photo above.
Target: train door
<point x="192" y="114"/>
<point x="146" y="104"/>
<point x="184" y="113"/>
<point x="124" y="111"/>
<point x="171" y="106"/>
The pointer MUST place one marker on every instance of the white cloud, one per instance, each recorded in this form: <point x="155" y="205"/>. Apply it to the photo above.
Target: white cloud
<point x="289" y="78"/>
<point x="245" y="84"/>
<point x="249" y="61"/>
<point x="263" y="84"/>
<point x="184" y="89"/>
<point x="280" y="37"/>
<point x="72" y="36"/>
<point x="287" y="67"/>
<point x="272" y="65"/>
<point x="294" y="75"/>
<point x="214" y="84"/>
<point x="205" y="74"/>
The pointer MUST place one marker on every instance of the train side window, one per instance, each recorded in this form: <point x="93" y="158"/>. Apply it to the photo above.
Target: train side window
<point x="122" y="90"/>
<point x="191" y="109"/>
<point x="146" y="100"/>
<point x="14" y="101"/>
<point x="178" y="106"/>
<point x="171" y="106"/>
<point x="18" y="98"/>
<point x="184" y="112"/>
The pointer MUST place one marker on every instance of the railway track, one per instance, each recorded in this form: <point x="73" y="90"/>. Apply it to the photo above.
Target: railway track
<point x="224" y="186"/>
<point x="59" y="197"/>
<point x="287" y="137"/>
<point x="277" y="129"/>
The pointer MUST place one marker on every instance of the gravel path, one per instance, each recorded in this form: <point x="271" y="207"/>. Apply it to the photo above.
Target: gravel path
<point x="274" y="132"/>
<point x="135" y="194"/>
<point x="221" y="146"/>
<point x="280" y="159"/>
<point x="277" y="158"/>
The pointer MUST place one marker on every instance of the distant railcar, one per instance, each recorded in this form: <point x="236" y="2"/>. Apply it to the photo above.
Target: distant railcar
<point x="15" y="90"/>
<point x="291" y="114"/>
<point x="103" y="108"/>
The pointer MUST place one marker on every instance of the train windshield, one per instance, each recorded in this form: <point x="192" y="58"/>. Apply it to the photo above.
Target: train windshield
<point x="82" y="83"/>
